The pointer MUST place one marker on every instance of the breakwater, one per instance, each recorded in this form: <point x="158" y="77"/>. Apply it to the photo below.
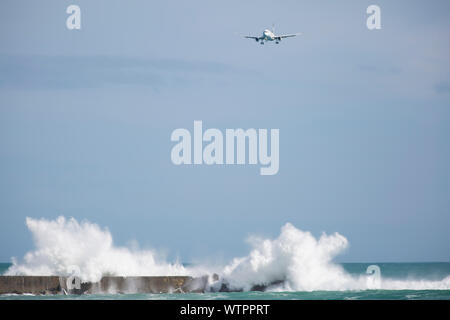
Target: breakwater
<point x="64" y="285"/>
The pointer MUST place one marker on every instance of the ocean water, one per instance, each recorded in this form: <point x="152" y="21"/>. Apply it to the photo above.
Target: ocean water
<point x="409" y="274"/>
<point x="4" y="267"/>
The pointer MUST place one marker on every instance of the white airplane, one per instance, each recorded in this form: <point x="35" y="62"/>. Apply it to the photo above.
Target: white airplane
<point x="270" y="36"/>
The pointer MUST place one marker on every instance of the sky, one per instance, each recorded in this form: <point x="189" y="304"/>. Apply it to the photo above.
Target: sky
<point x="364" y="118"/>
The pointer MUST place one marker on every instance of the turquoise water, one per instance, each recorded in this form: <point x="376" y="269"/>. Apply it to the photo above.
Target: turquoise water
<point x="431" y="271"/>
<point x="397" y="271"/>
<point x="4" y="267"/>
<point x="317" y="295"/>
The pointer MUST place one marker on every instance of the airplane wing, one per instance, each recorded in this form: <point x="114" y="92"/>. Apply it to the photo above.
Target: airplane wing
<point x="254" y="38"/>
<point x="287" y="35"/>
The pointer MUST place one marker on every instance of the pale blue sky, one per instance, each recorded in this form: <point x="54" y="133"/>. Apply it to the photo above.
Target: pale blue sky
<point x="364" y="119"/>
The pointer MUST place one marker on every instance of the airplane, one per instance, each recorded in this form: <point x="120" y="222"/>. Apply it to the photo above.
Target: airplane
<point x="270" y="36"/>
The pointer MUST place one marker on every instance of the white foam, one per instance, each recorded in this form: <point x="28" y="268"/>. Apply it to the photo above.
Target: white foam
<point x="63" y="243"/>
<point x="295" y="257"/>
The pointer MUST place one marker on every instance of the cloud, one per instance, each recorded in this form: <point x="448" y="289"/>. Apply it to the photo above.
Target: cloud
<point x="66" y="72"/>
<point x="380" y="69"/>
<point x="442" y="87"/>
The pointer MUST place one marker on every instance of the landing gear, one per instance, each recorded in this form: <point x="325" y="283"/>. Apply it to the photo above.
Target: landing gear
<point x="277" y="42"/>
<point x="262" y="42"/>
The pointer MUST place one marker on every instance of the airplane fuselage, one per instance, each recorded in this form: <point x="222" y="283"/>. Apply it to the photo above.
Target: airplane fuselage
<point x="268" y="35"/>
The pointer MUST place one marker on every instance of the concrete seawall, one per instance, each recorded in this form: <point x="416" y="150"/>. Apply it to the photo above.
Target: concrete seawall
<point x="31" y="284"/>
<point x="60" y="285"/>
